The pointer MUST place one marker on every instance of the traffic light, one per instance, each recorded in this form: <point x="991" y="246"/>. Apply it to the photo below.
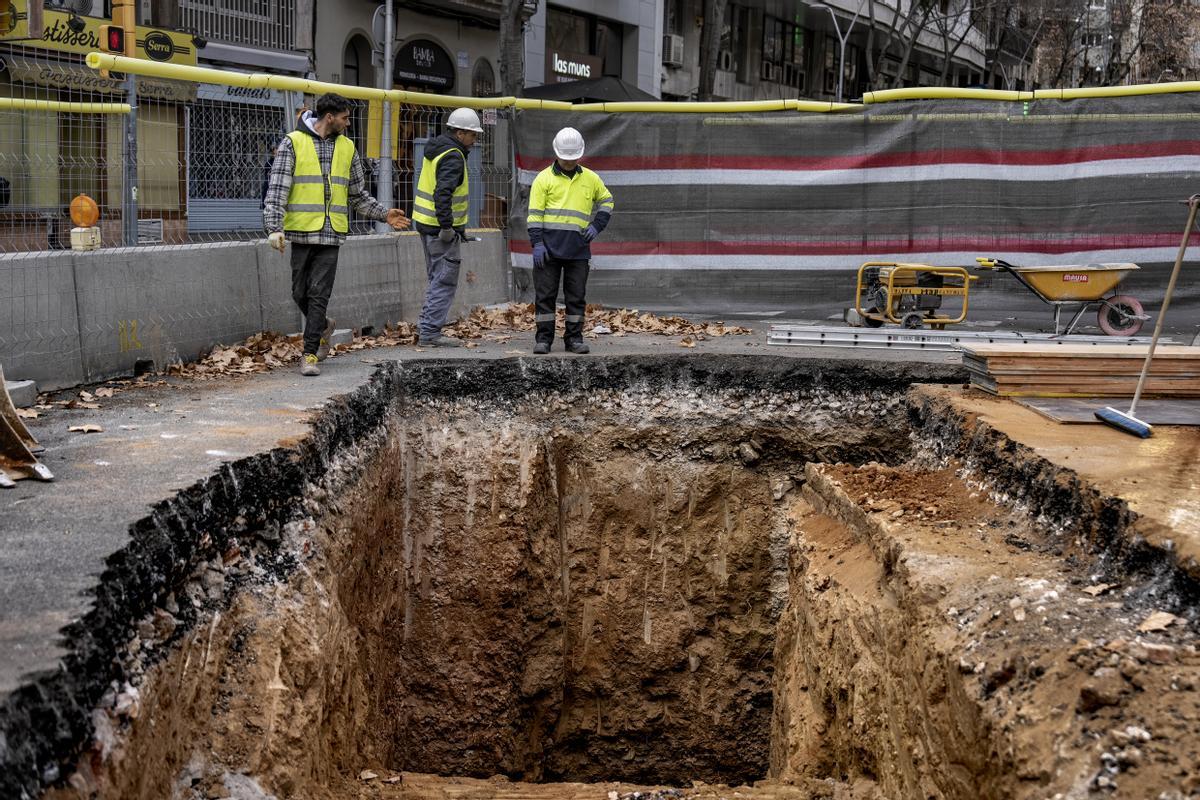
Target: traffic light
<point x="124" y="15"/>
<point x="112" y="39"/>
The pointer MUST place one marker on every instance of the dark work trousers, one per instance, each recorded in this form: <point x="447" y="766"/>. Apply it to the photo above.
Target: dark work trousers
<point x="574" y="275"/>
<point x="314" y="266"/>
<point x="442" y="263"/>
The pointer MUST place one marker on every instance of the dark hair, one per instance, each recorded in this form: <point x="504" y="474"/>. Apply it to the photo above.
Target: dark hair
<point x="331" y="103"/>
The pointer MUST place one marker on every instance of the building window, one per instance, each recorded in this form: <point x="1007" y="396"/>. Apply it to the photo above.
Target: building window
<point x="1092" y="40"/>
<point x="783" y="42"/>
<point x="352" y="63"/>
<point x="568" y="32"/>
<point x="483" y="79"/>
<point x="734" y="53"/>
<point x="673" y="17"/>
<point x="610" y="47"/>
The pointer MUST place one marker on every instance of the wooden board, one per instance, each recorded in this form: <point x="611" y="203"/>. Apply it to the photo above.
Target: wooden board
<point x="1121" y="351"/>
<point x="1038" y="370"/>
<point x="1075" y="411"/>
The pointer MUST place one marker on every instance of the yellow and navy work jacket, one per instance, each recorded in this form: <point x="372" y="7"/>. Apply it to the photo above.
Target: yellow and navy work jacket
<point x="562" y="205"/>
<point x="443" y="190"/>
<point x="315" y="196"/>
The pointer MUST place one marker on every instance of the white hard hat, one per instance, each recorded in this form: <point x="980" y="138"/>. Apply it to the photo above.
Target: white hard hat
<point x="464" y="119"/>
<point x="568" y="144"/>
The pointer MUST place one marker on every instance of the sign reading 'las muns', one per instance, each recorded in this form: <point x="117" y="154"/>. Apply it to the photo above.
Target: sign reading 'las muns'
<point x="562" y="67"/>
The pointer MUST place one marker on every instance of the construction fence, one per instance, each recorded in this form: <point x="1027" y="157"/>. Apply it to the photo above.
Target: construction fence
<point x="203" y="153"/>
<point x="718" y="206"/>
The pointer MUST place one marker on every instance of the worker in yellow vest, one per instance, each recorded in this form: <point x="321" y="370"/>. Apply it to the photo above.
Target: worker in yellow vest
<point x="440" y="213"/>
<point x="569" y="206"/>
<point x="316" y="178"/>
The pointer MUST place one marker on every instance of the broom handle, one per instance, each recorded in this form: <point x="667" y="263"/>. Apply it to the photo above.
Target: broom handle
<point x="1193" y="202"/>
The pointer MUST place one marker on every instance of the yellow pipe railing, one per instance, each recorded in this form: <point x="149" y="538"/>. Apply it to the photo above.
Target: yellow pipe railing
<point x="24" y="104"/>
<point x="948" y="93"/>
<point x="943" y="93"/>
<point x="286" y="83"/>
<point x="258" y="80"/>
<point x="1133" y="90"/>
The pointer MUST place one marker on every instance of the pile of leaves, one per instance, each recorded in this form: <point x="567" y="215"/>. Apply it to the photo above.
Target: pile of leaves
<point x="600" y="321"/>
<point x="261" y="352"/>
<point x="268" y="350"/>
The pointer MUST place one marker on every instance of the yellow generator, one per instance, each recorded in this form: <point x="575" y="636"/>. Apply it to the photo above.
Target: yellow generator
<point x="910" y="295"/>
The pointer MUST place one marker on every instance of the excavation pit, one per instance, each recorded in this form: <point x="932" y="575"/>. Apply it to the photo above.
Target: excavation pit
<point x="655" y="572"/>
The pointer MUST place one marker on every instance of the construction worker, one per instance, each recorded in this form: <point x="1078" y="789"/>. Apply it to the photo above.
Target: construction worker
<point x="315" y="179"/>
<point x="440" y="213"/>
<point x="569" y="206"/>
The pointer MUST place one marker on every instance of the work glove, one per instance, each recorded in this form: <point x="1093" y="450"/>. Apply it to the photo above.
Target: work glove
<point x="447" y="235"/>
<point x="590" y="233"/>
<point x="277" y="241"/>
<point x="539" y="254"/>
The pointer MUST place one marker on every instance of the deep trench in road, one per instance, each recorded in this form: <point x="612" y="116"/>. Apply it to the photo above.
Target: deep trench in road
<point x="515" y="578"/>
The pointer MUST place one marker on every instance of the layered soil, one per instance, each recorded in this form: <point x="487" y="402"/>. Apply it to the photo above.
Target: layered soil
<point x="640" y="582"/>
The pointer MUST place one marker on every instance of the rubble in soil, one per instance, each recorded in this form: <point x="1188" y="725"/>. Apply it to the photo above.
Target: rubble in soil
<point x="534" y="579"/>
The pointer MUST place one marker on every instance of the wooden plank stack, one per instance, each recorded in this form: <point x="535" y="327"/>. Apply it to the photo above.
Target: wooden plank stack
<point x="1064" y="370"/>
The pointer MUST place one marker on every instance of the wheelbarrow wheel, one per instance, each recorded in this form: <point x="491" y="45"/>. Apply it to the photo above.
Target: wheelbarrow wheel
<point x="872" y="322"/>
<point x="912" y="321"/>
<point x="1120" y="315"/>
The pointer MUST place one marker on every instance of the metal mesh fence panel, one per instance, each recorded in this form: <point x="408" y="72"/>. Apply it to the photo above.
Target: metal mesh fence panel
<point x="203" y="154"/>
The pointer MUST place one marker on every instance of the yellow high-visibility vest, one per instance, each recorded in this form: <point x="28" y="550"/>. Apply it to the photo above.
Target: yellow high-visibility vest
<point x="424" y="210"/>
<point x="563" y="203"/>
<point x="306" y="208"/>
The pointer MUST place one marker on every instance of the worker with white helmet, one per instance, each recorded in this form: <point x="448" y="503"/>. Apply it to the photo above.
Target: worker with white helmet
<point x="569" y="206"/>
<point x="440" y="215"/>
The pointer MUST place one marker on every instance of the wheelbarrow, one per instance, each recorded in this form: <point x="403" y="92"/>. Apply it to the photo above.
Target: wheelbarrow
<point x="1086" y="286"/>
<point x="910" y="295"/>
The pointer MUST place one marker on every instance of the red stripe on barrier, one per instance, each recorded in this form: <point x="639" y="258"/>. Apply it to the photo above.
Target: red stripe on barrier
<point x="1072" y="155"/>
<point x="982" y="244"/>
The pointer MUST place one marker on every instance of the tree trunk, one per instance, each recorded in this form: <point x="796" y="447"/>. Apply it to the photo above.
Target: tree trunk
<point x="710" y="45"/>
<point x="512" y="47"/>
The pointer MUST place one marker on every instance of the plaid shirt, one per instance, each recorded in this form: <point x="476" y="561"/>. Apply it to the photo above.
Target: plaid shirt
<point x="279" y="186"/>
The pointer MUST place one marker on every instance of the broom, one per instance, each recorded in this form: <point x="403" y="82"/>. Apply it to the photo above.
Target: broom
<point x="1127" y="421"/>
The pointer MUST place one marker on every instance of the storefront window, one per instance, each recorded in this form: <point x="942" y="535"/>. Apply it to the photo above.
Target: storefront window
<point x="568" y="32"/>
<point x="585" y="35"/>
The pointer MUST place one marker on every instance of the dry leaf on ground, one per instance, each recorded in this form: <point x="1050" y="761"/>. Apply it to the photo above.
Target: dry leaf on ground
<point x="85" y="429"/>
<point x="1158" y="621"/>
<point x="27" y="413"/>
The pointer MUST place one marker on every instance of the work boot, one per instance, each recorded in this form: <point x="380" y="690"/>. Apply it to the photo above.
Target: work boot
<point x="440" y="341"/>
<point x="579" y="348"/>
<point x="309" y="366"/>
<point x="541" y="348"/>
<point x="326" y="335"/>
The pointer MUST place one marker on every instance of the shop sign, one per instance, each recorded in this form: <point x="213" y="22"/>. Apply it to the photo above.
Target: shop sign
<point x="424" y="64"/>
<point x="78" y="78"/>
<point x="562" y="67"/>
<point x="168" y="47"/>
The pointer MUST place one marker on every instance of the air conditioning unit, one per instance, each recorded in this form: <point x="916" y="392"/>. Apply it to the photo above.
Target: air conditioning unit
<point x="793" y="75"/>
<point x="672" y="50"/>
<point x="725" y="61"/>
<point x="85" y="7"/>
<point x="769" y="72"/>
